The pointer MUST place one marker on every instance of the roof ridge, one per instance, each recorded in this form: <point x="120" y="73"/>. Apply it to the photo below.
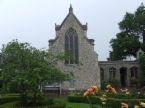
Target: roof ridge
<point x="58" y="27"/>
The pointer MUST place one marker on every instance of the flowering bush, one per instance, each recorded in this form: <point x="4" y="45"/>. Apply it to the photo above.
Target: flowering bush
<point x="124" y="90"/>
<point x="110" y="89"/>
<point x="142" y="104"/>
<point x="122" y="98"/>
<point x="114" y="82"/>
<point x="134" y="81"/>
<point x="124" y="105"/>
<point x="103" y="99"/>
<point x="91" y="91"/>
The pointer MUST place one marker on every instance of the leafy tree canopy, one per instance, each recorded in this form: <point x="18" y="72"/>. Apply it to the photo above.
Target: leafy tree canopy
<point x="25" y="68"/>
<point x="142" y="69"/>
<point x="131" y="36"/>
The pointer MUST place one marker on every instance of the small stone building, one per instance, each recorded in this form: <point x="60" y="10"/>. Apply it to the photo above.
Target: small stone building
<point x="124" y="72"/>
<point x="82" y="63"/>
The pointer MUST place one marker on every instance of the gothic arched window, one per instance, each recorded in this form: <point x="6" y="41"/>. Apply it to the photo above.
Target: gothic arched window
<point x="133" y="72"/>
<point x="71" y="46"/>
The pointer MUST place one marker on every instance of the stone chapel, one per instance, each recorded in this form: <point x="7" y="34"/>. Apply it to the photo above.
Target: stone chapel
<point x="82" y="65"/>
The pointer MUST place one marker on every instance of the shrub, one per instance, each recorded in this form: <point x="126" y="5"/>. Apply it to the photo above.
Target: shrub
<point x="104" y="84"/>
<point x="81" y="99"/>
<point x="119" y="96"/>
<point x="113" y="103"/>
<point x="40" y="101"/>
<point x="110" y="103"/>
<point x="60" y="105"/>
<point x="77" y="99"/>
<point x="43" y="101"/>
<point x="134" y="82"/>
<point x="115" y="82"/>
<point x="8" y="98"/>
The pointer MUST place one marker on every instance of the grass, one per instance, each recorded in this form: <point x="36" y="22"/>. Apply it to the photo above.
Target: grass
<point x="79" y="105"/>
<point x="68" y="104"/>
<point x="8" y="105"/>
<point x="12" y="105"/>
<point x="74" y="105"/>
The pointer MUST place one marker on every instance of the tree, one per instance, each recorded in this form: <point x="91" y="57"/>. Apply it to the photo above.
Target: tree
<point x="0" y="72"/>
<point x="142" y="68"/>
<point x="25" y="68"/>
<point x="131" y="36"/>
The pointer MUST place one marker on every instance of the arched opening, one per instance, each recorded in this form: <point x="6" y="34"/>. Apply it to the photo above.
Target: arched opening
<point x="123" y="76"/>
<point x="133" y="76"/>
<point x="71" y="46"/>
<point x="112" y="73"/>
<point x="133" y="72"/>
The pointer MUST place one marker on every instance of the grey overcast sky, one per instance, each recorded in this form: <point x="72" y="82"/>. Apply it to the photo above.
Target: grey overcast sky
<point x="33" y="20"/>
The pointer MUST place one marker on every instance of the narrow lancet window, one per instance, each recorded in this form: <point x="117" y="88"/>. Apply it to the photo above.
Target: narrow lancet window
<point x="71" y="47"/>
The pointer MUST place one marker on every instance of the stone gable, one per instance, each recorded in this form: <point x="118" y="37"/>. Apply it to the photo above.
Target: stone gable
<point x="87" y="72"/>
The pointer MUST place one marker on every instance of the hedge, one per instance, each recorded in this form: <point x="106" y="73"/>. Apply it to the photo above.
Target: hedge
<point x="15" y="100"/>
<point x="81" y="99"/>
<point x="111" y="102"/>
<point x="13" y="105"/>
<point x="8" y="98"/>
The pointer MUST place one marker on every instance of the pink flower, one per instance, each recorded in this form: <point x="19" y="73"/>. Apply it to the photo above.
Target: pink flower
<point x="124" y="90"/>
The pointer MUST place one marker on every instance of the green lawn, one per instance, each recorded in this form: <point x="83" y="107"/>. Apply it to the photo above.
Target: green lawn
<point x="79" y="105"/>
<point x="62" y="100"/>
<point x="74" y="105"/>
<point x="7" y="105"/>
<point x="68" y="105"/>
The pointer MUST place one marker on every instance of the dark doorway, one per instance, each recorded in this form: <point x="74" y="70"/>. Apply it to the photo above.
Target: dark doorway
<point x="123" y="76"/>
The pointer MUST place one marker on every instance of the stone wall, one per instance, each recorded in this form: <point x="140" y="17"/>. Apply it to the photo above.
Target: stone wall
<point x="106" y="65"/>
<point x="87" y="72"/>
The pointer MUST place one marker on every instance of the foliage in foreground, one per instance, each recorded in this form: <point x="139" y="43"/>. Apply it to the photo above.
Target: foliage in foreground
<point x="111" y="102"/>
<point x="25" y="69"/>
<point x="13" y="101"/>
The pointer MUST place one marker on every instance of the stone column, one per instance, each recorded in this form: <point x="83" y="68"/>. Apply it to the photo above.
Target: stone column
<point x="128" y="77"/>
<point x="118" y="75"/>
<point x="106" y="75"/>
